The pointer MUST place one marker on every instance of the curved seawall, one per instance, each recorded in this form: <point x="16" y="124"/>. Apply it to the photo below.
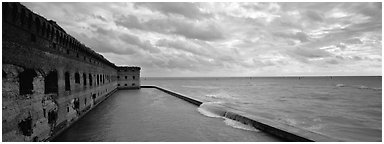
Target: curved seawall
<point x="280" y="130"/>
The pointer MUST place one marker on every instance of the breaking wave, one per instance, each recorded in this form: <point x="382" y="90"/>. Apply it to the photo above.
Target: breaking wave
<point x="239" y="125"/>
<point x="220" y="95"/>
<point x="218" y="110"/>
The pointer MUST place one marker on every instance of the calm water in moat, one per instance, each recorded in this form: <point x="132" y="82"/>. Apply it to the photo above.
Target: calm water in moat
<point x="347" y="108"/>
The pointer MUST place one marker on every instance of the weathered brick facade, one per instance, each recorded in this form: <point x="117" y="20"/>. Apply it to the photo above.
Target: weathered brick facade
<point x="49" y="78"/>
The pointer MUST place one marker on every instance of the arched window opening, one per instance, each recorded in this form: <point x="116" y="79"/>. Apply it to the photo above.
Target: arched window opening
<point x="76" y="103"/>
<point x="90" y="79"/>
<point x="77" y="78"/>
<point x="67" y="81"/>
<point x="26" y="81"/>
<point x="52" y="117"/>
<point x="84" y="79"/>
<point x="25" y="126"/>
<point x="50" y="83"/>
<point x="133" y="77"/>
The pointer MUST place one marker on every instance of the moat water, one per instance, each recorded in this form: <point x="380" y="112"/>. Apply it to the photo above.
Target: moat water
<point x="346" y="108"/>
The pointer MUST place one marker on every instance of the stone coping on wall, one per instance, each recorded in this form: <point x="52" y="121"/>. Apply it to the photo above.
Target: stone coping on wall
<point x="284" y="131"/>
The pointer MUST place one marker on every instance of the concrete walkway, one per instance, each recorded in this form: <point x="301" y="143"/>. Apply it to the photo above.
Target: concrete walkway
<point x="151" y="115"/>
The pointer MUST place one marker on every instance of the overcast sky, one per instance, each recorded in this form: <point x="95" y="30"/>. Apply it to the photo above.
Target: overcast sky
<point x="228" y="39"/>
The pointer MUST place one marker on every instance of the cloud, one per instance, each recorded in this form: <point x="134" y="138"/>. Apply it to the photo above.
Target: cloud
<point x="188" y="10"/>
<point x="302" y="37"/>
<point x="228" y="39"/>
<point x="188" y="29"/>
<point x="313" y="15"/>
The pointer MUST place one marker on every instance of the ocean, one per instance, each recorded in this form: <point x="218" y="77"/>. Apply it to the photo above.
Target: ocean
<point x="347" y="108"/>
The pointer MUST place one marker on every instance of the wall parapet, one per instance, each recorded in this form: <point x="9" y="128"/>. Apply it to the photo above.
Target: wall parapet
<point x="19" y="16"/>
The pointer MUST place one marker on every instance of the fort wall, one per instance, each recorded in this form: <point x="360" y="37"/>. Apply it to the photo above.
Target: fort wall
<point x="49" y="78"/>
<point x="128" y="77"/>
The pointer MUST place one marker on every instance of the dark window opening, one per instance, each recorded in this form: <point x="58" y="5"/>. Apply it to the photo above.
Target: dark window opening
<point x="67" y="82"/>
<point x="118" y="77"/>
<point x="85" y="101"/>
<point x="77" y="78"/>
<point x="67" y="51"/>
<point x="133" y="77"/>
<point x="52" y="117"/>
<point x="118" y="84"/>
<point x="44" y="113"/>
<point x="85" y="58"/>
<point x="76" y="103"/>
<point x="125" y="77"/>
<point x="77" y="55"/>
<point x="125" y="85"/>
<point x="84" y="79"/>
<point x="50" y="83"/>
<point x="26" y="81"/>
<point x="133" y="84"/>
<point x="90" y="79"/>
<point x="97" y="80"/>
<point x="67" y="109"/>
<point x="25" y="126"/>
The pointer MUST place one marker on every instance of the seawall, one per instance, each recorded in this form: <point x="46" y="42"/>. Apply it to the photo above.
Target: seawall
<point x="280" y="130"/>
